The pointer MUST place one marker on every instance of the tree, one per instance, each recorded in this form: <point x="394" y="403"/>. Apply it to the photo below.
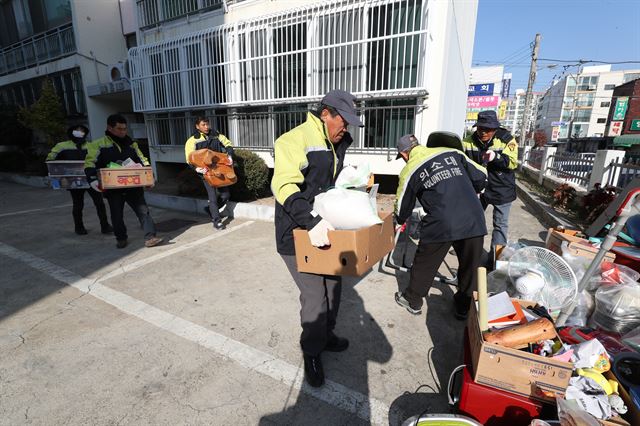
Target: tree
<point x="45" y="115"/>
<point x="540" y="138"/>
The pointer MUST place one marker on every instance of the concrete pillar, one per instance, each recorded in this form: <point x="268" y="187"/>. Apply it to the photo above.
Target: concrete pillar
<point x="600" y="174"/>
<point x="546" y="159"/>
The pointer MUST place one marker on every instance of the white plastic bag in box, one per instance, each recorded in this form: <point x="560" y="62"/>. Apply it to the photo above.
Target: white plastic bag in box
<point x="347" y="208"/>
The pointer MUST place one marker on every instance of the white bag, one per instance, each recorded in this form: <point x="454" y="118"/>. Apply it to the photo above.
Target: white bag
<point x="347" y="208"/>
<point x="352" y="177"/>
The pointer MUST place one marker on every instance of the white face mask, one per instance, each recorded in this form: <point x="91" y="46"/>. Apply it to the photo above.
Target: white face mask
<point x="78" y="134"/>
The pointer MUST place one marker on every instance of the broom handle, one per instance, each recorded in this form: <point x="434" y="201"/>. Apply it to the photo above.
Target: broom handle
<point x="482" y="299"/>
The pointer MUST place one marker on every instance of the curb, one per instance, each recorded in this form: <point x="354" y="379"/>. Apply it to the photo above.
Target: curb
<point x="542" y="210"/>
<point x="171" y="202"/>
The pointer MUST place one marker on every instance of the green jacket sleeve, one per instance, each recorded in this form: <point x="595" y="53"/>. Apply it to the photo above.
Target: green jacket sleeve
<point x="508" y="159"/>
<point x="290" y="160"/>
<point x="226" y="143"/>
<point x="140" y="155"/>
<point x="93" y="151"/>
<point x="55" y="151"/>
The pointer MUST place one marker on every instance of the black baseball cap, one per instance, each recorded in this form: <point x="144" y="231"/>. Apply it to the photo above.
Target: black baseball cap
<point x="487" y="119"/>
<point x="405" y="143"/>
<point x="343" y="102"/>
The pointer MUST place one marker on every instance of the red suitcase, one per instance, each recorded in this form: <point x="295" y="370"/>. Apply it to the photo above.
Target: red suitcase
<point x="489" y="406"/>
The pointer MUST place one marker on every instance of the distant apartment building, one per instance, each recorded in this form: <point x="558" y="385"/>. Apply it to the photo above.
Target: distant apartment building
<point x="256" y="67"/>
<point x="514" y="112"/>
<point x="77" y="44"/>
<point x="578" y="105"/>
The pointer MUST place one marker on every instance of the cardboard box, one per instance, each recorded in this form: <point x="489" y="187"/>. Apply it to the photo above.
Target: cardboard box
<point x="576" y="245"/>
<point x="513" y="370"/>
<point x="125" y="177"/>
<point x="351" y="252"/>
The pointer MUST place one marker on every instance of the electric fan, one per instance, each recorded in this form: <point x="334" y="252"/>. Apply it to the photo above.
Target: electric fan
<point x="541" y="275"/>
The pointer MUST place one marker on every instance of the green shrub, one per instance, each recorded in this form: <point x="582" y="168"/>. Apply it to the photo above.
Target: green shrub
<point x="253" y="176"/>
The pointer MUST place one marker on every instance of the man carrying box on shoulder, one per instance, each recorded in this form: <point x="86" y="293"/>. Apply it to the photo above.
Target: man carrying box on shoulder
<point x="447" y="184"/>
<point x="308" y="159"/>
<point x="76" y="149"/>
<point x="116" y="147"/>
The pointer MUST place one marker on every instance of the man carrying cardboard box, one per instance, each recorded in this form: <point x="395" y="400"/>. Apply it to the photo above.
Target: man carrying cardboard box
<point x="308" y="159"/>
<point x="447" y="184"/>
<point x="116" y="147"/>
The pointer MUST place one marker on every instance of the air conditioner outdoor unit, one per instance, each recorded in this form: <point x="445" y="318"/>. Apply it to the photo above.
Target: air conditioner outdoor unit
<point x="119" y="71"/>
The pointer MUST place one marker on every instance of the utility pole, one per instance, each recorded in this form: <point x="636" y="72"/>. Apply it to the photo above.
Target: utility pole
<point x="529" y="95"/>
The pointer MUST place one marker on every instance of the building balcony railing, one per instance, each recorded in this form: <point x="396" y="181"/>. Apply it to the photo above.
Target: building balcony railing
<point x="154" y="12"/>
<point x="39" y="49"/>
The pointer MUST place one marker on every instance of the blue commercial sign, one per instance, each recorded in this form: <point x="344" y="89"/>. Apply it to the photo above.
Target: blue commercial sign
<point x="506" y="88"/>
<point x="480" y="89"/>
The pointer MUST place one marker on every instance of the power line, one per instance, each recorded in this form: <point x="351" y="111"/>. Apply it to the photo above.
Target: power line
<point x="582" y="61"/>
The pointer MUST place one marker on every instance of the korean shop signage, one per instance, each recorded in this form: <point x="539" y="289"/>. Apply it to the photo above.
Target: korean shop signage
<point x="480" y="89"/>
<point x="635" y="125"/>
<point x="621" y="108"/>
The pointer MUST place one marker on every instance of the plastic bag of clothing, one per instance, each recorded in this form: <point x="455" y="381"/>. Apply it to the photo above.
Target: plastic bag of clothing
<point x="347" y="208"/>
<point x="584" y="308"/>
<point x="632" y="338"/>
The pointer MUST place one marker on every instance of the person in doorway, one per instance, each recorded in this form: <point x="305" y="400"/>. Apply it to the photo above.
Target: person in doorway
<point x="494" y="148"/>
<point x="204" y="137"/>
<point x="308" y="159"/>
<point x="115" y="147"/>
<point x="446" y="184"/>
<point x="76" y="149"/>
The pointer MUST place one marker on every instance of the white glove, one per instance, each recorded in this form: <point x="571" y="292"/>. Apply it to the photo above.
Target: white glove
<point x="230" y="163"/>
<point x="202" y="170"/>
<point x="95" y="185"/>
<point x="319" y="234"/>
<point x="489" y="156"/>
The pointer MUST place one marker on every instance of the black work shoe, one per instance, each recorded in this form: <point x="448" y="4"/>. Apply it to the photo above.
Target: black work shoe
<point x="313" y="372"/>
<point x="80" y="230"/>
<point x="402" y="301"/>
<point x="462" y="304"/>
<point x="218" y="225"/>
<point x="121" y="243"/>
<point x="336" y="344"/>
<point x="106" y="229"/>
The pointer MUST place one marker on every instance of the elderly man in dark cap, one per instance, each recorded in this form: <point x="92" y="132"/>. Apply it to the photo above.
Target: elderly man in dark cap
<point x="496" y="149"/>
<point x="308" y="159"/>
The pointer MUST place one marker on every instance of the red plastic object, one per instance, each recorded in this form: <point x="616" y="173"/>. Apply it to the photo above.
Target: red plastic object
<point x="627" y="255"/>
<point x="494" y="407"/>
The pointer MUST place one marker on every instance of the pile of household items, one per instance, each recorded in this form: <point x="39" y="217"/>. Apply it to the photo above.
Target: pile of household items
<point x="554" y="337"/>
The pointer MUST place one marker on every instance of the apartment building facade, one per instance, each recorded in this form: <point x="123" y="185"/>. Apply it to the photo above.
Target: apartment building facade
<point x="256" y="67"/>
<point x="514" y="111"/>
<point x="73" y="43"/>
<point x="577" y="106"/>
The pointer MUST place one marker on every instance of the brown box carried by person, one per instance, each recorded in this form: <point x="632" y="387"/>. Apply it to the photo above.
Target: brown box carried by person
<point x="513" y="370"/>
<point x="576" y="245"/>
<point x="351" y="253"/>
<point x="125" y="177"/>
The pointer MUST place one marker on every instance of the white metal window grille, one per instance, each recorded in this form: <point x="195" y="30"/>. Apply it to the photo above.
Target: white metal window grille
<point x="39" y="49"/>
<point x="153" y="12"/>
<point x="375" y="49"/>
<point x="256" y="128"/>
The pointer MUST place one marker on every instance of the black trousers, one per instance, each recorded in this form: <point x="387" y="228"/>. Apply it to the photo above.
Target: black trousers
<point x="135" y="198"/>
<point x="77" y="196"/>
<point x="319" y="304"/>
<point x="428" y="259"/>
<point x="213" y="194"/>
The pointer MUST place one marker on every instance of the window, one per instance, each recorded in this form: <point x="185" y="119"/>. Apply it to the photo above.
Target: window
<point x="602" y="120"/>
<point x="605" y="104"/>
<point x="609" y="86"/>
<point x="587" y="83"/>
<point x="23" y="18"/>
<point x="585" y="99"/>
<point x="582" y="115"/>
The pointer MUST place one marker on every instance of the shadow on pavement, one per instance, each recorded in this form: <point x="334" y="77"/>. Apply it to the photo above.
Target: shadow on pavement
<point x="350" y="368"/>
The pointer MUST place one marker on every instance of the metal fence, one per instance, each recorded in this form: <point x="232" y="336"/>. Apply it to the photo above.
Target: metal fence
<point x="622" y="171"/>
<point x="257" y="128"/>
<point x="374" y="49"/>
<point x="534" y="158"/>
<point x="39" y="49"/>
<point x="573" y="167"/>
<point x="153" y="12"/>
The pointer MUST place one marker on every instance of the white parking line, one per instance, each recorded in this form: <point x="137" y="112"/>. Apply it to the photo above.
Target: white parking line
<point x="35" y="210"/>
<point x="368" y="409"/>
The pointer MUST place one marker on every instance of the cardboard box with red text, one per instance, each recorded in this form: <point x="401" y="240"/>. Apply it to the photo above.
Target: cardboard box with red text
<point x="125" y="177"/>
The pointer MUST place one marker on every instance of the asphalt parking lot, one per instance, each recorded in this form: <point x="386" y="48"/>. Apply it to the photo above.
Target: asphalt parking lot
<point x="200" y="330"/>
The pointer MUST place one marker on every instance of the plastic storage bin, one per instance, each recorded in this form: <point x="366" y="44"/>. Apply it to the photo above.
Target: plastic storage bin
<point x="67" y="174"/>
